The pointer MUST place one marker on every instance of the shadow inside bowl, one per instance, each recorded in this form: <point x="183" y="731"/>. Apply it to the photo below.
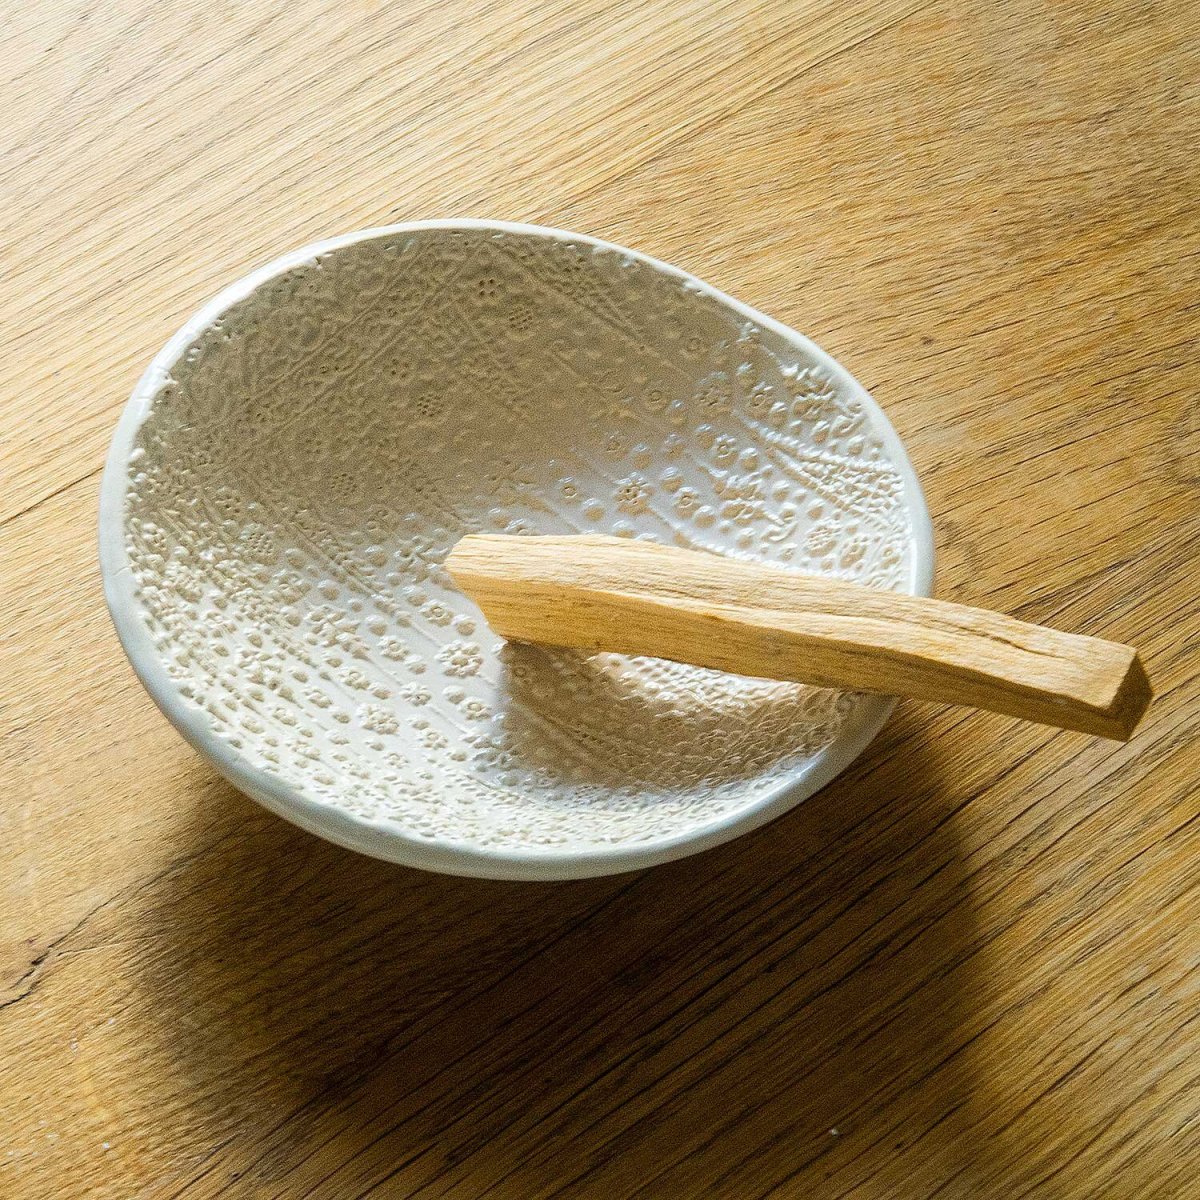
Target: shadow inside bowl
<point x="601" y="721"/>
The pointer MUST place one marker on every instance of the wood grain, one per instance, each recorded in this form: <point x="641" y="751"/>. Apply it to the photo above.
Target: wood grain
<point x="601" y="593"/>
<point x="968" y="967"/>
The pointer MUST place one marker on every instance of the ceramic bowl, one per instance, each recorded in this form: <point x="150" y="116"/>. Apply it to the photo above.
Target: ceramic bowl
<point x="295" y="464"/>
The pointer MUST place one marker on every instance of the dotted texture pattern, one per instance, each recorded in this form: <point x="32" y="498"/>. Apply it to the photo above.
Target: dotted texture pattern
<point x="309" y="461"/>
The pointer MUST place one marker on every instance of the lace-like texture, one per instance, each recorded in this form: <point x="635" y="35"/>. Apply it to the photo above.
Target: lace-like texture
<point x="303" y="472"/>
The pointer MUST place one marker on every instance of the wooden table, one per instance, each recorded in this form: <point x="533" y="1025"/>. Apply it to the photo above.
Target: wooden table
<point x="969" y="967"/>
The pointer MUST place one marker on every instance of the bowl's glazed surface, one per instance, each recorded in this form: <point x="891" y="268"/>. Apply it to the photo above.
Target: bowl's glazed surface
<point x="294" y="466"/>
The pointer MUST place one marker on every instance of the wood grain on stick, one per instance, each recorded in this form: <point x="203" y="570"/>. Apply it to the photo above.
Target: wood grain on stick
<point x="638" y="597"/>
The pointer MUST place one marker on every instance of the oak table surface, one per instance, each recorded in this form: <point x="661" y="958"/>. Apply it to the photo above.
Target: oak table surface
<point x="968" y="968"/>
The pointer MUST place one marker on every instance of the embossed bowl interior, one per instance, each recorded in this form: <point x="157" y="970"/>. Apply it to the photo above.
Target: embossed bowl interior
<point x="295" y="464"/>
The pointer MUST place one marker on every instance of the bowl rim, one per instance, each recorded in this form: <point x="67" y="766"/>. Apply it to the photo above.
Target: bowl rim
<point x="386" y="838"/>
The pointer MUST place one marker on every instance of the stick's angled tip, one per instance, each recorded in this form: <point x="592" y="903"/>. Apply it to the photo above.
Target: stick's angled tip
<point x="1132" y="699"/>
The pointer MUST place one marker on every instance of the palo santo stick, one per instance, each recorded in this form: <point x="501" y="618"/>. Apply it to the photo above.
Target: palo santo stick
<point x="635" y="597"/>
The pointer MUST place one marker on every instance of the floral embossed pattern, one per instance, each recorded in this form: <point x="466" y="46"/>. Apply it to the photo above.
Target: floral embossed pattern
<point x="311" y="458"/>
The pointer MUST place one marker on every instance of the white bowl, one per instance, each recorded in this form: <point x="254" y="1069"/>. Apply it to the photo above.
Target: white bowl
<point x="294" y="465"/>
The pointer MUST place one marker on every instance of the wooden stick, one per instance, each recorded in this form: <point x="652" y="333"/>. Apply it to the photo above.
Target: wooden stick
<point x="635" y="597"/>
